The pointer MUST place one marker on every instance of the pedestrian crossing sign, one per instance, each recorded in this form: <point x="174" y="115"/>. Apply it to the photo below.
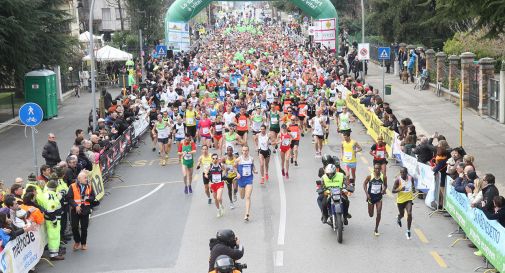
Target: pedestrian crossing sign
<point x="161" y="50"/>
<point x="384" y="53"/>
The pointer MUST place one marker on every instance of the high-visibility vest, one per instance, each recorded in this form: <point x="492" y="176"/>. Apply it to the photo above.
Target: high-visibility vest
<point x="78" y="199"/>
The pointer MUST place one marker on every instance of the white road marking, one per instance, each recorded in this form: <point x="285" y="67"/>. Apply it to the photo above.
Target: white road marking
<point x="282" y="193"/>
<point x="131" y="203"/>
<point x="279" y="258"/>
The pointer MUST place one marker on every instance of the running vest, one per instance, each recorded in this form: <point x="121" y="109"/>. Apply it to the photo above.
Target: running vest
<point x="190" y="118"/>
<point x="187" y="159"/>
<point x="163" y="129"/>
<point x="285" y="140"/>
<point x="242" y="123"/>
<point x="336" y="181"/>
<point x="375" y="184"/>
<point x="230" y="139"/>
<point x="179" y="131"/>
<point x="215" y="173"/>
<point x="344" y="122"/>
<point x="380" y="152"/>
<point x="349" y="153"/>
<point x="340" y="103"/>
<point x="206" y="161"/>
<point x="218" y="126"/>
<point x="245" y="168"/>
<point x="257" y="122"/>
<point x="408" y="193"/>
<point x="263" y="141"/>
<point x="274" y="120"/>
<point x="230" y="166"/>
<point x="294" y="131"/>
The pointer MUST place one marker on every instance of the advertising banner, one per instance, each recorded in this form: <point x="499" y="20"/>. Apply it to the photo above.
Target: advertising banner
<point x="23" y="253"/>
<point x="178" y="36"/>
<point x="95" y="177"/>
<point x="325" y="32"/>
<point x="487" y="235"/>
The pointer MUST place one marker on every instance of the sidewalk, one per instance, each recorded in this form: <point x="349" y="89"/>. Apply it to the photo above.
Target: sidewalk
<point x="16" y="143"/>
<point x="483" y="137"/>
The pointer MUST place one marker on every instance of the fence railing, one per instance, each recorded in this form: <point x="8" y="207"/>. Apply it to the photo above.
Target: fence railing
<point x="494" y="99"/>
<point x="9" y="105"/>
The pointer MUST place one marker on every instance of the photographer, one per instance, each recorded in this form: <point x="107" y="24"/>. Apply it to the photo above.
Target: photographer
<point x="225" y="243"/>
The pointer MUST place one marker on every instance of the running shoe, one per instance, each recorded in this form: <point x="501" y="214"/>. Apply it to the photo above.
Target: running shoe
<point x="235" y="197"/>
<point x="291" y="160"/>
<point x="266" y="177"/>
<point x="376" y="233"/>
<point x="262" y="181"/>
<point x="478" y="253"/>
<point x="275" y="151"/>
<point x="209" y="201"/>
<point x="154" y="149"/>
<point x="221" y="208"/>
<point x="408" y="235"/>
<point x="246" y="218"/>
<point x="186" y="189"/>
<point x="175" y="142"/>
<point x="219" y="213"/>
<point x="303" y="134"/>
<point x="166" y="156"/>
<point x="287" y="175"/>
<point x="296" y="163"/>
<point x="163" y="162"/>
<point x="283" y="173"/>
<point x="399" y="221"/>
<point x="190" y="189"/>
<point x="232" y="206"/>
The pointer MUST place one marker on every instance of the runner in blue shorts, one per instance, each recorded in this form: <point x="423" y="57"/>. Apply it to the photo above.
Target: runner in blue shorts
<point x="245" y="168"/>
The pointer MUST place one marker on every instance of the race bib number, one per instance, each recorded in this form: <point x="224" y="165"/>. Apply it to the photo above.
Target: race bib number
<point x="242" y="123"/>
<point x="188" y="156"/>
<point x="190" y="120"/>
<point x="286" y="142"/>
<point x="275" y="120"/>
<point x="348" y="155"/>
<point x="205" y="130"/>
<point x="339" y="108"/>
<point x="407" y="186"/>
<point x="294" y="134"/>
<point x="376" y="189"/>
<point x="219" y="127"/>
<point x="380" y="154"/>
<point x="246" y="170"/>
<point x="216" y="177"/>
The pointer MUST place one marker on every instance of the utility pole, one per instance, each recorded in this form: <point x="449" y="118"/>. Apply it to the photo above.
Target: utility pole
<point x="363" y="36"/>
<point x="92" y="54"/>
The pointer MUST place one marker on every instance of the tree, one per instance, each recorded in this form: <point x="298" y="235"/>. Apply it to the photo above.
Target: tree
<point x="487" y="14"/>
<point x="32" y="33"/>
<point x="148" y="16"/>
<point x="119" y="5"/>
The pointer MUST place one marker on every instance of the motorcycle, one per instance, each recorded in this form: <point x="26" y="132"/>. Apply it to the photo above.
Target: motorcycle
<point x="335" y="208"/>
<point x="235" y="268"/>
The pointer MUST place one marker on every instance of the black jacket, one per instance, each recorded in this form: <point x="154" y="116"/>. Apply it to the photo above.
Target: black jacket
<point x="51" y="153"/>
<point x="424" y="152"/>
<point x="488" y="193"/>
<point x="498" y="216"/>
<point x="218" y="248"/>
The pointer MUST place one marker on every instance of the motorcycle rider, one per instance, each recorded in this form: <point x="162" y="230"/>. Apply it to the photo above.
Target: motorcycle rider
<point x="225" y="264"/>
<point x="330" y="179"/>
<point x="225" y="243"/>
<point x="328" y="159"/>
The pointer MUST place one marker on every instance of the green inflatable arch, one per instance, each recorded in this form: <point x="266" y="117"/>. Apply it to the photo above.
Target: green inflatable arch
<point x="181" y="11"/>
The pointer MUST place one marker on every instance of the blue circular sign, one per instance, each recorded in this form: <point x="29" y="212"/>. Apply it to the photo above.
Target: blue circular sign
<point x="30" y="114"/>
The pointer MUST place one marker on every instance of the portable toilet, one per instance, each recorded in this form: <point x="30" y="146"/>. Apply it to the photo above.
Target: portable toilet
<point x="40" y="88"/>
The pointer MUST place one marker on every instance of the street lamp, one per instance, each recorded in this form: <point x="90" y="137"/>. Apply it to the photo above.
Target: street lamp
<point x="92" y="55"/>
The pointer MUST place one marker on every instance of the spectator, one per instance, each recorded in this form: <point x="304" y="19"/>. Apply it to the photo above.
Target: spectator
<point x="35" y="215"/>
<point x="17" y="191"/>
<point x="475" y="195"/>
<point x="19" y="180"/>
<point x="468" y="160"/>
<point x="45" y="173"/>
<point x="424" y="151"/>
<point x="50" y="152"/>
<point x="489" y="191"/>
<point x="83" y="162"/>
<point x="452" y="163"/>
<point x="439" y="165"/>
<point x="499" y="210"/>
<point x="404" y="123"/>
<point x="71" y="172"/>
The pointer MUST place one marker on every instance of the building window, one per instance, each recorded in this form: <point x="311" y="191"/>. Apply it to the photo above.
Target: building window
<point x="118" y="17"/>
<point x="106" y="14"/>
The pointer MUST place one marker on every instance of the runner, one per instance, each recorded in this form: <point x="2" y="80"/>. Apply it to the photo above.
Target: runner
<point x="379" y="153"/>
<point x="264" y="153"/>
<point x="179" y="129"/>
<point x="404" y="186"/>
<point x="190" y="116"/>
<point x="349" y="149"/>
<point x="153" y="117"/>
<point x="204" y="161"/>
<point x="187" y="149"/>
<point x="343" y="121"/>
<point x="231" y="176"/>
<point x="161" y="129"/>
<point x="302" y="114"/>
<point x="243" y="125"/>
<point x="375" y="186"/>
<point x="274" y="125"/>
<point x="215" y="175"/>
<point x="231" y="138"/>
<point x="294" y="131"/>
<point x="205" y="130"/>
<point x="284" y="139"/>
<point x="217" y="134"/>
<point x="257" y="120"/>
<point x="244" y="166"/>
<point x="318" y="124"/>
<point x="338" y="105"/>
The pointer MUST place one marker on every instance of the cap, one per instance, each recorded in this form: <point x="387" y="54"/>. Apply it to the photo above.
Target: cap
<point x="101" y="120"/>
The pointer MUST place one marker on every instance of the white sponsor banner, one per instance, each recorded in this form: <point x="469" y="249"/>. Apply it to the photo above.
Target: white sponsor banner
<point x="325" y="32"/>
<point x="363" y="51"/>
<point x="23" y="253"/>
<point x="422" y="174"/>
<point x="178" y="36"/>
<point x="141" y="124"/>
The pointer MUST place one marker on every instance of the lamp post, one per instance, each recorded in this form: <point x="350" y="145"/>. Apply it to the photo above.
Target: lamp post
<point x="92" y="55"/>
<point x="363" y="37"/>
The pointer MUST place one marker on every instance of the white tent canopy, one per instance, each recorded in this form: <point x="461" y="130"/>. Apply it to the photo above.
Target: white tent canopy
<point x="108" y="53"/>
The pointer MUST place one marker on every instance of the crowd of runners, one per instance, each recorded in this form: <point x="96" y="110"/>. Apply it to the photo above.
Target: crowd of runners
<point x="252" y="92"/>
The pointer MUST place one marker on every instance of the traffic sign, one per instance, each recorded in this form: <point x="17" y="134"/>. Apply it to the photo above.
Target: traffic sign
<point x="384" y="53"/>
<point x="363" y="51"/>
<point x="161" y="50"/>
<point x="30" y="114"/>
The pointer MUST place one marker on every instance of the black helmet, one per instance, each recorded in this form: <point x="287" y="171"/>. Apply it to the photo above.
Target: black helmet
<point x="336" y="161"/>
<point x="226" y="236"/>
<point x="327" y="159"/>
<point x="224" y="264"/>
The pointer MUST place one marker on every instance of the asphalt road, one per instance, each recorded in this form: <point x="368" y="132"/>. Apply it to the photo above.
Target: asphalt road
<point x="147" y="224"/>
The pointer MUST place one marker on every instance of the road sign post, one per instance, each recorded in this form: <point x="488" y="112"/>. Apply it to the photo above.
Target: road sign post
<point x="161" y="50"/>
<point x="31" y="115"/>
<point x="363" y="55"/>
<point x="384" y="54"/>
